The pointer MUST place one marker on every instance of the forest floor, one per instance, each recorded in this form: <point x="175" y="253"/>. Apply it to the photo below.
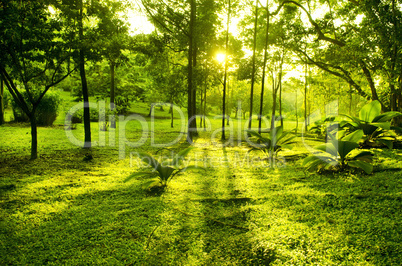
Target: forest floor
<point x="64" y="209"/>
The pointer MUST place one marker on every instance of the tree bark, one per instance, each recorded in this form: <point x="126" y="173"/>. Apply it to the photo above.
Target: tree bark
<point x="34" y="135"/>
<point x="205" y="106"/>
<point x="201" y="109"/>
<point x="87" y="122"/>
<point x="226" y="73"/>
<point x="274" y="93"/>
<point x="112" y="86"/>
<point x="151" y="108"/>
<point x="253" y="62"/>
<point x="280" y="97"/>
<point x="172" y="115"/>
<point x="192" y="123"/>
<point x="263" y="72"/>
<point x="297" y="116"/>
<point x="305" y="97"/>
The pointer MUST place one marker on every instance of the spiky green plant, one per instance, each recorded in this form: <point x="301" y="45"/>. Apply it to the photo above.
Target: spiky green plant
<point x="162" y="172"/>
<point x="273" y="143"/>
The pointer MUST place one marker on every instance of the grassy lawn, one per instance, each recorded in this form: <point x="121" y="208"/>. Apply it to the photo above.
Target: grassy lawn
<point x="62" y="209"/>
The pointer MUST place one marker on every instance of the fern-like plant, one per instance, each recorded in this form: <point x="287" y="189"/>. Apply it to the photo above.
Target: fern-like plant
<point x="162" y="172"/>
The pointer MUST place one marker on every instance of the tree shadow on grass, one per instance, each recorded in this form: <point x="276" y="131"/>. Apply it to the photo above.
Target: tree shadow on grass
<point x="207" y="228"/>
<point x="110" y="226"/>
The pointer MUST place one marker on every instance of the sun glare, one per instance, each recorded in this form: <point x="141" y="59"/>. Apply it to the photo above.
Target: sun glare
<point x="220" y="57"/>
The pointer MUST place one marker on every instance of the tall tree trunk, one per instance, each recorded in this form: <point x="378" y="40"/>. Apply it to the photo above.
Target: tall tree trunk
<point x="34" y="135"/>
<point x="172" y="114"/>
<point x="305" y="97"/>
<point x="297" y="116"/>
<point x="350" y="100"/>
<point x="280" y="94"/>
<point x="87" y="122"/>
<point x="226" y="72"/>
<point x="151" y="108"/>
<point x="228" y="110"/>
<point x="1" y="100"/>
<point x="201" y="109"/>
<point x="205" y="106"/>
<point x="274" y="93"/>
<point x="253" y="62"/>
<point x="112" y="86"/>
<point x="263" y="72"/>
<point x="195" y="78"/>
<point x="192" y="124"/>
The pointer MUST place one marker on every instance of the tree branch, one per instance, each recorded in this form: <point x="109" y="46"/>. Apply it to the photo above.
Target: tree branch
<point x="343" y="74"/>
<point x="321" y="35"/>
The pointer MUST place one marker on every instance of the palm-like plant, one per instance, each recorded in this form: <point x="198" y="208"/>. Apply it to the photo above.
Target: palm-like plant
<point x="338" y="154"/>
<point x="162" y="172"/>
<point x="375" y="126"/>
<point x="275" y="142"/>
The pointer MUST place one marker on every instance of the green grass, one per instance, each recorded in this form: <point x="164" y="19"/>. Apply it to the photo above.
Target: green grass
<point x="61" y="209"/>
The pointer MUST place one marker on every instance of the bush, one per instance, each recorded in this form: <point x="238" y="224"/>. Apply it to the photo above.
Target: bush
<point x="122" y="104"/>
<point x="78" y="116"/>
<point x="46" y="112"/>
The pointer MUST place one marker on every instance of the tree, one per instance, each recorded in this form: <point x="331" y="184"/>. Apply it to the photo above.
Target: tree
<point x="34" y="55"/>
<point x="253" y="73"/>
<point x="179" y="19"/>
<point x="79" y="29"/>
<point x="81" y="67"/>
<point x="114" y="39"/>
<point x="263" y="69"/>
<point x="226" y="71"/>
<point x="365" y="41"/>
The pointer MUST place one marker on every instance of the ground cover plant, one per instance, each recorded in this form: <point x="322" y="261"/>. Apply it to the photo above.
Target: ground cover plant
<point x="62" y="209"/>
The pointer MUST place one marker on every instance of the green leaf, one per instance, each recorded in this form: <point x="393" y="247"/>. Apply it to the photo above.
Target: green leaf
<point x="165" y="172"/>
<point x="355" y="123"/>
<point x="148" y="159"/>
<point x="140" y="174"/>
<point x="366" y="167"/>
<point x="383" y="125"/>
<point x="386" y="142"/>
<point x="178" y="158"/>
<point x="191" y="167"/>
<point x="370" y="111"/>
<point x="318" y="163"/>
<point x="276" y="134"/>
<point x="328" y="148"/>
<point x="309" y="159"/>
<point x="386" y="117"/>
<point x="354" y="136"/>
<point x="345" y="147"/>
<point x="366" y="156"/>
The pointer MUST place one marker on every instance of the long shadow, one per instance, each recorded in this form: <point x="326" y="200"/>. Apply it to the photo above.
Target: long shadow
<point x="110" y="226"/>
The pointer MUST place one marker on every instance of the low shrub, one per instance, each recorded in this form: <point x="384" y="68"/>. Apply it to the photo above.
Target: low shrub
<point x="46" y="111"/>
